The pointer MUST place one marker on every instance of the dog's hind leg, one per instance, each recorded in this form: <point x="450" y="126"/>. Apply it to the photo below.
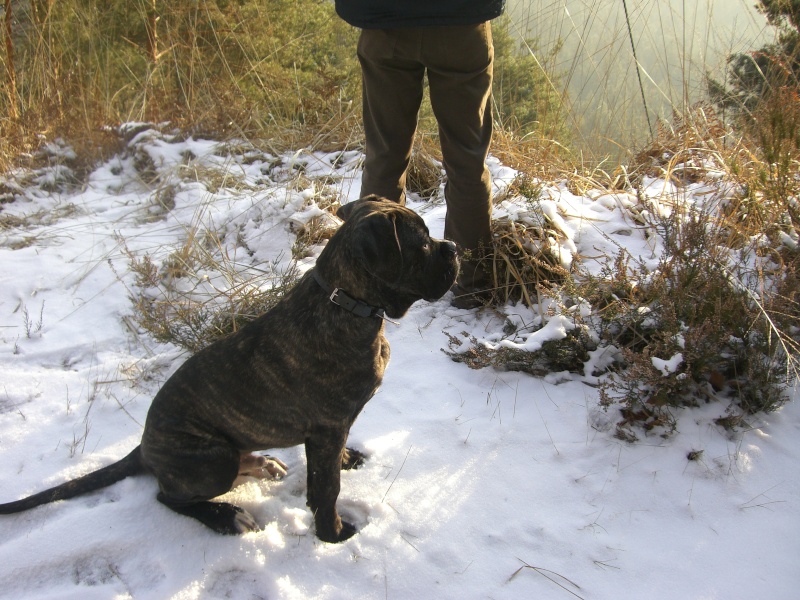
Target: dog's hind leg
<point x="222" y="517"/>
<point x="188" y="480"/>
<point x="262" y="467"/>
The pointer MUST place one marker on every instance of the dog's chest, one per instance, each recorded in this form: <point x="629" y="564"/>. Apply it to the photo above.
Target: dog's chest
<point x="382" y="356"/>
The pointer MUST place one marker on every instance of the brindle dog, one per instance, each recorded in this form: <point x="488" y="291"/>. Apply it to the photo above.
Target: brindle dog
<point x="299" y="374"/>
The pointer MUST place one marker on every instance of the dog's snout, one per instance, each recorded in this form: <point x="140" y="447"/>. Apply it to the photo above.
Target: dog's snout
<point x="448" y="248"/>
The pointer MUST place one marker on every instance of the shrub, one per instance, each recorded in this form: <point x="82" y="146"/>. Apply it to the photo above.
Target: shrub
<point x="715" y="320"/>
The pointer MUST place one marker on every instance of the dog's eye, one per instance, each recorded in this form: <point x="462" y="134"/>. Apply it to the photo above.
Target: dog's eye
<point x="426" y="246"/>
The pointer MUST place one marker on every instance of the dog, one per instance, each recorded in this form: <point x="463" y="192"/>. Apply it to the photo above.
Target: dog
<point x="298" y="374"/>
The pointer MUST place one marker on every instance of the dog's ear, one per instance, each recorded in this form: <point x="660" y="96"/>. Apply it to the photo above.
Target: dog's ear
<point x="346" y="211"/>
<point x="377" y="244"/>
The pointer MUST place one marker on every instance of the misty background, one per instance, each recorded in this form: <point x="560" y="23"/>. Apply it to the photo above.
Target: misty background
<point x="586" y="46"/>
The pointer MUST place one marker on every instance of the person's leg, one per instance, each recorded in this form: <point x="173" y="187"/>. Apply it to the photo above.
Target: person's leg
<point x="459" y="61"/>
<point x="392" y="94"/>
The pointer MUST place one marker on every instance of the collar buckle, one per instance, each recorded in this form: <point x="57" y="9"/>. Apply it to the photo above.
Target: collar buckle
<point x="340" y="298"/>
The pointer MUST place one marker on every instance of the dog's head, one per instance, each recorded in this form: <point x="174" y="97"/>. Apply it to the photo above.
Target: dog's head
<point x="400" y="261"/>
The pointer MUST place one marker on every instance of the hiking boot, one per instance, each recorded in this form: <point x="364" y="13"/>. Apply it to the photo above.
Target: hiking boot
<point x="469" y="298"/>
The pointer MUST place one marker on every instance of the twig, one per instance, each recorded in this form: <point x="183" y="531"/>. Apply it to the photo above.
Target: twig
<point x="763" y="504"/>
<point x="546" y="573"/>
<point x="552" y="441"/>
<point x="125" y="410"/>
<point x="465" y="568"/>
<point x="604" y="564"/>
<point x="403" y="537"/>
<point x="24" y="418"/>
<point x="397" y="475"/>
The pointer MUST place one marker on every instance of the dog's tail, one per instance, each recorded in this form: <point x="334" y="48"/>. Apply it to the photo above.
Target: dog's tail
<point x="130" y="465"/>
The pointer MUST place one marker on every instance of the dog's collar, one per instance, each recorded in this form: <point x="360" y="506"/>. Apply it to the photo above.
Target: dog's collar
<point x="340" y="298"/>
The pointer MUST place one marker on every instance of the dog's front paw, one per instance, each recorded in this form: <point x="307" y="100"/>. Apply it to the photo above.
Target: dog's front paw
<point x="332" y="537"/>
<point x="347" y="531"/>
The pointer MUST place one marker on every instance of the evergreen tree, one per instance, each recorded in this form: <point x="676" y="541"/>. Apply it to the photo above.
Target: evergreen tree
<point x="526" y="97"/>
<point x="754" y="76"/>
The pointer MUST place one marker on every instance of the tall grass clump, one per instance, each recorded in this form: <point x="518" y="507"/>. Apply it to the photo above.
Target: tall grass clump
<point x="173" y="304"/>
<point x="224" y="68"/>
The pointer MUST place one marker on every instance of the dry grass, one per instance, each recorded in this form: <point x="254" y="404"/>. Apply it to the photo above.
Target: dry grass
<point x="725" y="294"/>
<point x="425" y="174"/>
<point x="193" y="319"/>
<point x="200" y="291"/>
<point x="523" y="261"/>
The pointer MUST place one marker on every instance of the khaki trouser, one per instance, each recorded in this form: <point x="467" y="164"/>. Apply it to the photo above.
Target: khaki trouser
<point x="458" y="61"/>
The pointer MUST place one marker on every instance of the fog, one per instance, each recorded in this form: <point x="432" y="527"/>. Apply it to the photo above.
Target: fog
<point x="676" y="41"/>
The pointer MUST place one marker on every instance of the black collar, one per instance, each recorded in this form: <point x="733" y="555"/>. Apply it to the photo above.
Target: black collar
<point x="340" y="298"/>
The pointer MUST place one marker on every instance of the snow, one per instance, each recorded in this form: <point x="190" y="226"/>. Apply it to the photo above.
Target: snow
<point x="668" y="366"/>
<point x="479" y="483"/>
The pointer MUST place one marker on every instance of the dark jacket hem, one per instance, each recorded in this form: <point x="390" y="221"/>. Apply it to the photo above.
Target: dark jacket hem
<point x="375" y="14"/>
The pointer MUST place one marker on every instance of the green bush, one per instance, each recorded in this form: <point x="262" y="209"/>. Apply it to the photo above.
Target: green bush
<point x="753" y="77"/>
<point x="525" y="95"/>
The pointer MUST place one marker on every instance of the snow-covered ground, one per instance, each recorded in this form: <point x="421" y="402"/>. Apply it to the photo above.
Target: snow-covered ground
<point x="479" y="483"/>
